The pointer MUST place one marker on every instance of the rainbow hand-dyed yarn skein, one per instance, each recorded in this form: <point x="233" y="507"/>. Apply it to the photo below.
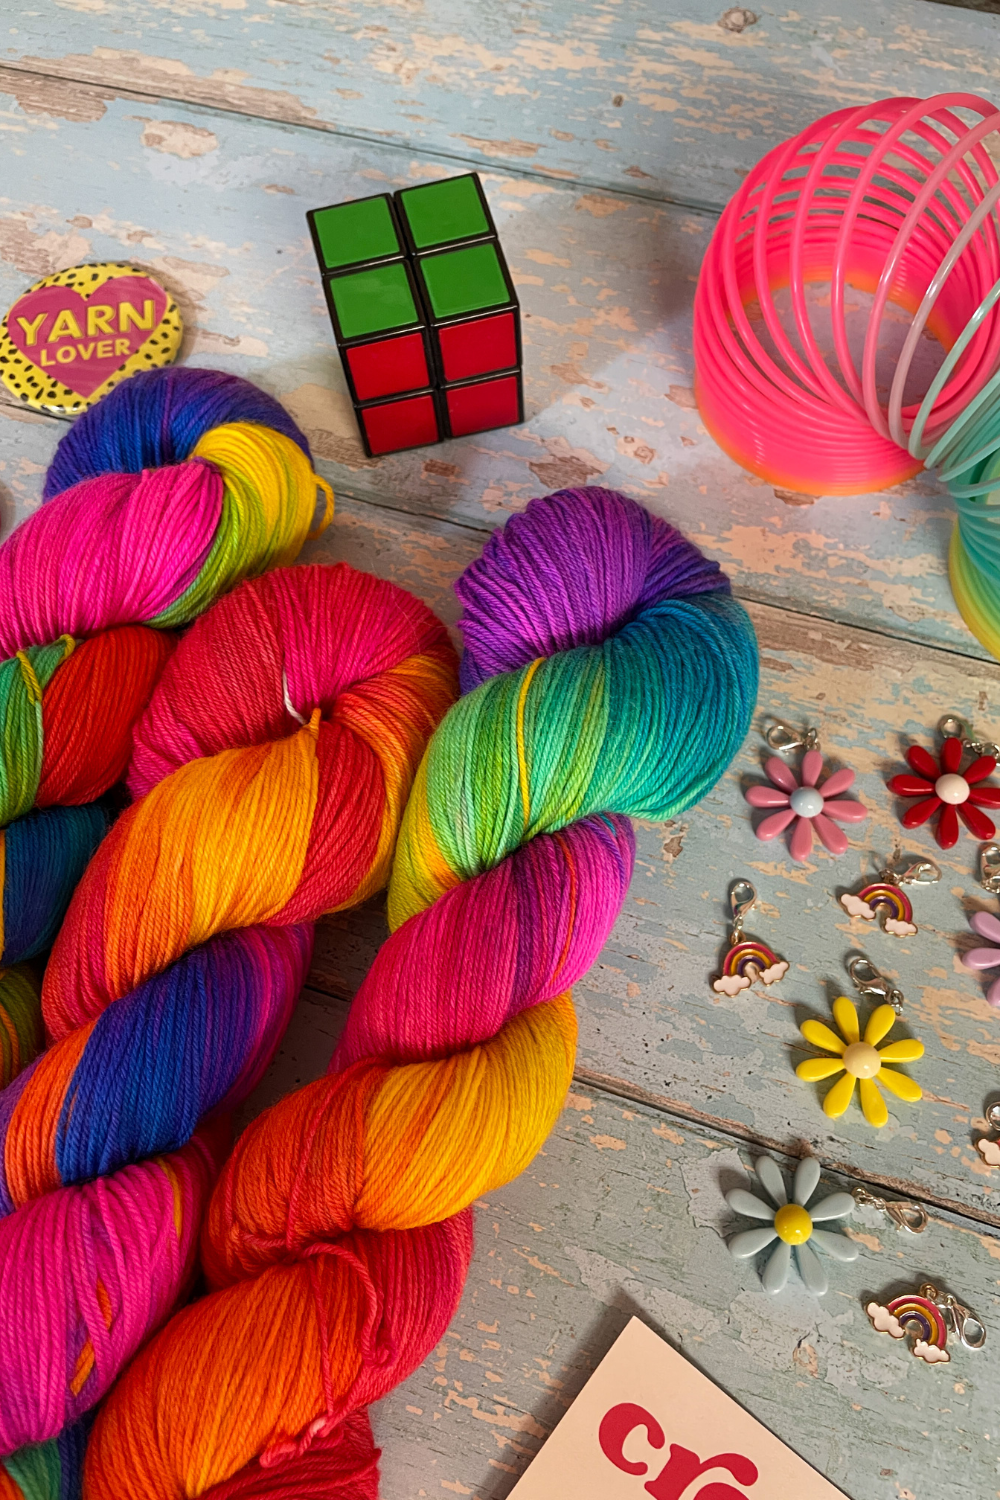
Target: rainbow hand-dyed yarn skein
<point x="271" y="768"/>
<point x="169" y="492"/>
<point x="607" y="672"/>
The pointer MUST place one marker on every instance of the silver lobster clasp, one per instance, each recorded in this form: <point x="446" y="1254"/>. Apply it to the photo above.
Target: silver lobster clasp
<point x="873" y="985"/>
<point x="782" y="737"/>
<point x="955" y="727"/>
<point x="909" y="1216"/>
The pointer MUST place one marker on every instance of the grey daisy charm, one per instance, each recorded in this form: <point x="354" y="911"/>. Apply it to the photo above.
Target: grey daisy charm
<point x="792" y="1225"/>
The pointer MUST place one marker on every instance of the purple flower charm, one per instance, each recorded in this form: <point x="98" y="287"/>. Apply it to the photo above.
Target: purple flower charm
<point x="807" y="806"/>
<point x="985" y="925"/>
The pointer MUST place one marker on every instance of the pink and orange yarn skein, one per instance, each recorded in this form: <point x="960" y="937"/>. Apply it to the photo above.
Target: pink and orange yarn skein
<point x="607" y="672"/>
<point x="177" y="486"/>
<point x="271" y="770"/>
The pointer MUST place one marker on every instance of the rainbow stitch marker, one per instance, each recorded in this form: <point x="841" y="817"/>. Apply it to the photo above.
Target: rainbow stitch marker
<point x="886" y="895"/>
<point x="745" y="964"/>
<point x="747" y="959"/>
<point x="882" y="896"/>
<point x="917" y="1315"/>
<point x="925" y="1315"/>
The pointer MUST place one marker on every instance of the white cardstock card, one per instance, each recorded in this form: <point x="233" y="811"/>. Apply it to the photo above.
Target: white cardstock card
<point x="648" y="1423"/>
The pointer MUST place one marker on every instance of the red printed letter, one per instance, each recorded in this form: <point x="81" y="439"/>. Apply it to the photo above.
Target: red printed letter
<point x="684" y="1467"/>
<point x="615" y="1428"/>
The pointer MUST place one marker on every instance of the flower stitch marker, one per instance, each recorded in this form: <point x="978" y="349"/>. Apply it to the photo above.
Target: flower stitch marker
<point x="792" y="1225"/>
<point x="946" y="787"/>
<point x="985" y="925"/>
<point x="808" y="806"/>
<point x="860" y="1061"/>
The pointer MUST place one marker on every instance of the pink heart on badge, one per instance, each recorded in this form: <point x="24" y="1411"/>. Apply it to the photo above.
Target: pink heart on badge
<point x="82" y="341"/>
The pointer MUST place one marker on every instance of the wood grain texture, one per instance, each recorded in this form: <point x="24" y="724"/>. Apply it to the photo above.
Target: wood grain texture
<point x="622" y="1214"/>
<point x="649" y="1020"/>
<point x="215" y="206"/>
<point x="192" y="135"/>
<point x="654" y="99"/>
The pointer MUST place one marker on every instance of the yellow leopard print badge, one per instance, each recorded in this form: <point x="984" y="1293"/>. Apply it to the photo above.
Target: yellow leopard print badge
<point x="74" y="335"/>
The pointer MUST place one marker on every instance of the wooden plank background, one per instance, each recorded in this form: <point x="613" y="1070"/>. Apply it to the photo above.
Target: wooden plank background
<point x="191" y="136"/>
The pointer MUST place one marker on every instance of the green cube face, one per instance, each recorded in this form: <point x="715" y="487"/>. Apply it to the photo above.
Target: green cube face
<point x="463" y="281"/>
<point x="352" y="232"/>
<point x="441" y="211"/>
<point x="373" y="301"/>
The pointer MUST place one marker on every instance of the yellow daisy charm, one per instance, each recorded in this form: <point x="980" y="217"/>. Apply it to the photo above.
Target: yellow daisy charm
<point x="861" y="1061"/>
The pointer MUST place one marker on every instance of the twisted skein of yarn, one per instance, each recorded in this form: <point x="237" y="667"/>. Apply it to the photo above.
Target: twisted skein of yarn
<point x="271" y="771"/>
<point x="608" y="672"/>
<point x="47" y="1471"/>
<point x="167" y="493"/>
<point x="42" y="856"/>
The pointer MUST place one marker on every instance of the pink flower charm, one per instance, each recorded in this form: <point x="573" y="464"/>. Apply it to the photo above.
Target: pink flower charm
<point x="985" y="925"/>
<point x="807" y="806"/>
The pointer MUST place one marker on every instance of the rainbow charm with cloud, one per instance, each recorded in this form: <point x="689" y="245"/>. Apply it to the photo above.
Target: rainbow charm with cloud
<point x="746" y="963"/>
<point x="885" y="897"/>
<point x="881" y="896"/>
<point x="747" y="959"/>
<point x="925" y="1316"/>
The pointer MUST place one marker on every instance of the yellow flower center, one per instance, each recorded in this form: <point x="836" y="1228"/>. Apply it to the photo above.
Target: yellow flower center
<point x="861" y="1060"/>
<point x="793" y="1224"/>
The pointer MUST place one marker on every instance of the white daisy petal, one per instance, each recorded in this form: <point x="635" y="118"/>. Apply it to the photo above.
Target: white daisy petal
<point x="769" y="1173"/>
<point x="836" y="1206"/>
<point x="742" y="1202"/>
<point x="811" y="1270"/>
<point x="837" y="1245"/>
<point x="806" y="1180"/>
<point x="752" y="1241"/>
<point x="775" y="1273"/>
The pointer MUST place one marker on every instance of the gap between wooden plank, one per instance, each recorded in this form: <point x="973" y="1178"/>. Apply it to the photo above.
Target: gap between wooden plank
<point x="620" y="1088"/>
<point x="686" y="1115"/>
<point x="746" y="596"/>
<point x="470" y="527"/>
<point x="198" y="99"/>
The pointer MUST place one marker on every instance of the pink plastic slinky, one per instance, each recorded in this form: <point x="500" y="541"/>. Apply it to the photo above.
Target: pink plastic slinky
<point x="895" y="199"/>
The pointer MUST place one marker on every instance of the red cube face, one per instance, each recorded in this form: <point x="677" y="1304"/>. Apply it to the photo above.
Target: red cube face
<point x="490" y="403"/>
<point x="400" y="424"/>
<point x="476" y="348"/>
<point x="388" y="367"/>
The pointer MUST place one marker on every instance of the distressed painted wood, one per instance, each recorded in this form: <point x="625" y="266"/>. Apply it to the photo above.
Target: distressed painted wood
<point x="653" y="98"/>
<point x="192" y="138"/>
<point x="650" y="1024"/>
<point x="215" y="205"/>
<point x="623" y="1213"/>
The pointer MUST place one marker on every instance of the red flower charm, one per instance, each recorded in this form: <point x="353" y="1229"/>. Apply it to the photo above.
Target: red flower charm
<point x="955" y="792"/>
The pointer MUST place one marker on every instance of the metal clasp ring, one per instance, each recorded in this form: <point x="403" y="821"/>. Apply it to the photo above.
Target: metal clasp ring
<point x="962" y="1319"/>
<point x="781" y="736"/>
<point x="909" y="1216"/>
<point x="742" y="899"/>
<point x="873" y="985"/>
<point x="923" y="872"/>
<point x="989" y="868"/>
<point x="955" y="727"/>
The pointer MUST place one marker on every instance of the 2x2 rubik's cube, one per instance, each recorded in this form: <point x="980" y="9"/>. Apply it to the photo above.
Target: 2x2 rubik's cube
<point x="424" y="313"/>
